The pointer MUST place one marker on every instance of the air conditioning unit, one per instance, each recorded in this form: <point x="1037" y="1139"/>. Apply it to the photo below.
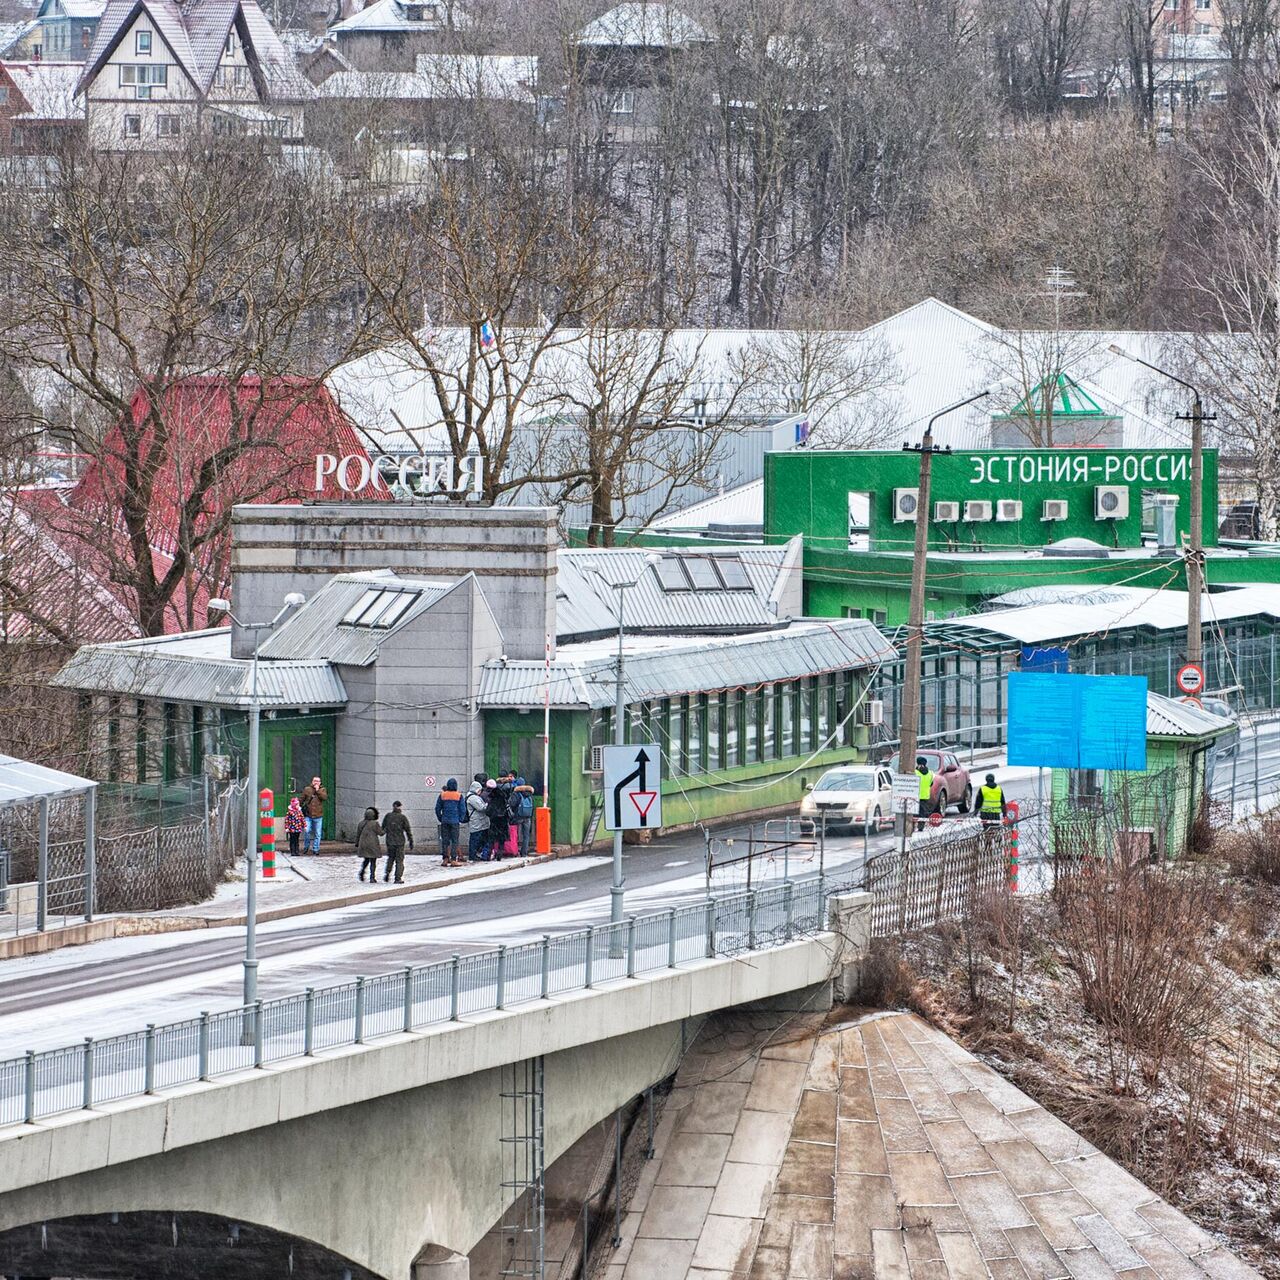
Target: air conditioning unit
<point x="1111" y="502"/>
<point x="946" y="512"/>
<point x="1054" y="509"/>
<point x="1009" y="509"/>
<point x="875" y="711"/>
<point x="976" y="512"/>
<point x="906" y="502"/>
<point x="593" y="760"/>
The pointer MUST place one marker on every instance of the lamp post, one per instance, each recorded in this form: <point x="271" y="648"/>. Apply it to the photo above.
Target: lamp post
<point x="909" y="729"/>
<point x="1195" y="549"/>
<point x="291" y="601"/>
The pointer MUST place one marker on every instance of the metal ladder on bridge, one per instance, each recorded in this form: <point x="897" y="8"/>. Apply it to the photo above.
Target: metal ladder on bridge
<point x="524" y="1156"/>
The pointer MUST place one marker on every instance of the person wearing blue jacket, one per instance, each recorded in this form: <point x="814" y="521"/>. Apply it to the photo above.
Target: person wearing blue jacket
<point x="451" y="813"/>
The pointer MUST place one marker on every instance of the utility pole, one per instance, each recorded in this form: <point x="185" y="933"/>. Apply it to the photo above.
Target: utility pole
<point x="909" y="729"/>
<point x="1195" y="539"/>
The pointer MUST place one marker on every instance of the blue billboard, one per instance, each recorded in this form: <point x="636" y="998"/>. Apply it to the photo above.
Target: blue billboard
<point x="1076" y="721"/>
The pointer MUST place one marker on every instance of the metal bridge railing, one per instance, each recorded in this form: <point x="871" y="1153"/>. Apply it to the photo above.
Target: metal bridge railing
<point x="165" y="1056"/>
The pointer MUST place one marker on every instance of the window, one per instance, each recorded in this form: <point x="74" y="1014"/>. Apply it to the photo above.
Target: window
<point x="702" y="573"/>
<point x="751" y="726"/>
<point x="732" y="746"/>
<point x="1203" y="28"/>
<point x="240" y="75"/>
<point x="4" y="93"/>
<point x="695" y="719"/>
<point x="379" y="607"/>
<point x="1173" y="5"/>
<point x="169" y="126"/>
<point x="624" y="104"/>
<point x="413" y="12"/>
<point x="1204" y="5"/>
<point x="231" y="44"/>
<point x="86" y="37"/>
<point x="880" y="617"/>
<point x="715" y="722"/>
<point x="144" y="77"/>
<point x="768" y="719"/>
<point x="142" y="42"/>
<point x="675" y="737"/>
<point x="133" y="126"/>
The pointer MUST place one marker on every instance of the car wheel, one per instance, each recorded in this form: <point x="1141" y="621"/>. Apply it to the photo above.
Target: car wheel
<point x="966" y="801"/>
<point x="943" y="802"/>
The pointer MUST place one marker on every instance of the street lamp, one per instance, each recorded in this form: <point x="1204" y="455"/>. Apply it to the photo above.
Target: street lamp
<point x="291" y="601"/>
<point x="620" y="736"/>
<point x="1195" y="551"/>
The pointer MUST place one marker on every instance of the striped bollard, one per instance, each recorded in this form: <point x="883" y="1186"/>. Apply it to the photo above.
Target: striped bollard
<point x="267" y="832"/>
<point x="1011" y="844"/>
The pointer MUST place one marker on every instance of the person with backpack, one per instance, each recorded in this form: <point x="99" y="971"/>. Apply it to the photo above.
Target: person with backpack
<point x="521" y="809"/>
<point x="498" y="820"/>
<point x="367" y="846"/>
<point x="451" y="813"/>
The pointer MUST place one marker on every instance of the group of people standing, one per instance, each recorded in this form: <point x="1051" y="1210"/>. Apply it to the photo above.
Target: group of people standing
<point x="498" y="815"/>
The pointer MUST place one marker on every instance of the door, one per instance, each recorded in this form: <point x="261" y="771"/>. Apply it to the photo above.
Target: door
<point x="292" y="753"/>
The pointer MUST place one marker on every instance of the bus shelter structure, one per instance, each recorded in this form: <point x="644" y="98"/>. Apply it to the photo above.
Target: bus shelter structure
<point x="27" y="785"/>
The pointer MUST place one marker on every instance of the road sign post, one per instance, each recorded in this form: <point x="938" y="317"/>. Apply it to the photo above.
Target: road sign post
<point x="267" y="832"/>
<point x="632" y="788"/>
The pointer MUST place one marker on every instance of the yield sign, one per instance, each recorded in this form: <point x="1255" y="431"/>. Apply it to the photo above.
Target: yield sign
<point x="632" y="787"/>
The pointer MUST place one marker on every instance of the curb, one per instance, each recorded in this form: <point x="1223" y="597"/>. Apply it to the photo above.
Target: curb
<point x="134" y="926"/>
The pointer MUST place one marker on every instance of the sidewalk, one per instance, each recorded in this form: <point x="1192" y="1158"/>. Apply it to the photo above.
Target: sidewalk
<point x="310" y="883"/>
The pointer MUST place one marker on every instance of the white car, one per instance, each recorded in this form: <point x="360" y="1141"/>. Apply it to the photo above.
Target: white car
<point x="851" y="795"/>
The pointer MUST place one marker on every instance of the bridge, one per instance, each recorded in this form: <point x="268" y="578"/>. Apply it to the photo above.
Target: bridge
<point x="367" y="1131"/>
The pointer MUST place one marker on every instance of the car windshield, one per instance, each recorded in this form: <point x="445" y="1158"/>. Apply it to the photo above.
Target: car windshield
<point x="930" y="756"/>
<point x="847" y="780"/>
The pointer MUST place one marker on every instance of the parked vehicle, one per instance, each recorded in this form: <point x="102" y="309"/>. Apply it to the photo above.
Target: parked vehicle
<point x="851" y="796"/>
<point x="951" y="785"/>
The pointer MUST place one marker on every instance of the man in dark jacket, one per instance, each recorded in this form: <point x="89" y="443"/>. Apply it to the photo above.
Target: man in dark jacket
<point x="451" y="813"/>
<point x="397" y="830"/>
<point x="497" y="818"/>
<point x="314" y="796"/>
<point x="520" y="807"/>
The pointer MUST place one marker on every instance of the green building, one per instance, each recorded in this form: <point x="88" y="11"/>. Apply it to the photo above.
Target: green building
<point x="999" y="522"/>
<point x="1148" y="814"/>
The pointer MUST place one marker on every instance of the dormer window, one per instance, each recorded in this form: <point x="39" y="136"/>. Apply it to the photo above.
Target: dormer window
<point x="142" y="42"/>
<point x="413" y="12"/>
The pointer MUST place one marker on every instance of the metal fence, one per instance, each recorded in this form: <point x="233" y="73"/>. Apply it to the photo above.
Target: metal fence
<point x="141" y="1062"/>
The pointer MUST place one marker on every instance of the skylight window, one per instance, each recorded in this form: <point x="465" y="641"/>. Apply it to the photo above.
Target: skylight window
<point x="379" y="607"/>
<point x="702" y="573"/>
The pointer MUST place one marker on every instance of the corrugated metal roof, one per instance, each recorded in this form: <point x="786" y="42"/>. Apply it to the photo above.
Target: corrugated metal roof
<point x="314" y="631"/>
<point x="170" y="670"/>
<point x="739" y="508"/>
<point x="1167" y="718"/>
<point x="22" y="782"/>
<point x="586" y="606"/>
<point x="583" y="675"/>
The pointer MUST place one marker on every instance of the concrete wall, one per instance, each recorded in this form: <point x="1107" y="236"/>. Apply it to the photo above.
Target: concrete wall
<point x="375" y="1151"/>
<point x="512" y="550"/>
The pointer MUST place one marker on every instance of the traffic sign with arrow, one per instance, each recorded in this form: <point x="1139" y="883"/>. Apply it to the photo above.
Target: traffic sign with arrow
<point x="632" y="788"/>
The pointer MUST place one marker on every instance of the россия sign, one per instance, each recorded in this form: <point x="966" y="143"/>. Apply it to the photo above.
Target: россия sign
<point x="418" y="473"/>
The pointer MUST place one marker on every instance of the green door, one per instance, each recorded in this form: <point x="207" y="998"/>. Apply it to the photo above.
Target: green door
<point x="293" y="752"/>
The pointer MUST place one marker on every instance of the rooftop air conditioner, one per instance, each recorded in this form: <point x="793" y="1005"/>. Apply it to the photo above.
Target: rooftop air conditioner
<point x="1009" y="509"/>
<point x="946" y="512"/>
<point x="875" y="711"/>
<point x="976" y="512"/>
<point x="1111" y="502"/>
<point x="1054" y="509"/>
<point x="906" y="502"/>
<point x="593" y="760"/>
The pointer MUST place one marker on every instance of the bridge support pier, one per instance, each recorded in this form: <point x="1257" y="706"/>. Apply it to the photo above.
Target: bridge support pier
<point x="849" y="918"/>
<point x="438" y="1263"/>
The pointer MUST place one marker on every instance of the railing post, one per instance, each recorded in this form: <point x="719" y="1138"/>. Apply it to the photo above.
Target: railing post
<point x="500" y="997"/>
<point x="149" y="1060"/>
<point x="455" y="987"/>
<point x="711" y="928"/>
<point x="546" y="965"/>
<point x="29" y="1088"/>
<point x="257" y="1033"/>
<point x="202" y="1046"/>
<point x="671" y="938"/>
<point x="631" y="946"/>
<point x="359" y="1011"/>
<point x="309" y="1023"/>
<point x="86" y="1074"/>
<point x="408" y="997"/>
<point x="591" y="946"/>
<point x="789" y="905"/>
<point x="751" y="919"/>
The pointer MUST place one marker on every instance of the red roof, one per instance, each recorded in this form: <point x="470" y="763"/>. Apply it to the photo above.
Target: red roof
<point x="258" y="445"/>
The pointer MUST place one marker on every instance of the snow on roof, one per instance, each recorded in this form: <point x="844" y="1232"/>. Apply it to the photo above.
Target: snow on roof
<point x="49" y="88"/>
<point x="392" y="15"/>
<point x="12" y="32"/>
<point x="738" y="508"/>
<point x="440" y="76"/>
<point x="643" y="25"/>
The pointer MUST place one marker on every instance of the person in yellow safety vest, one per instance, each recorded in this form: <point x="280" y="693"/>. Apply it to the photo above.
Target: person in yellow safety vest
<point x="926" y="786"/>
<point x="991" y="802"/>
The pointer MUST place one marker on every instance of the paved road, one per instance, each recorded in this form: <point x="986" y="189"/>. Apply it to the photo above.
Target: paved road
<point x="124" y="984"/>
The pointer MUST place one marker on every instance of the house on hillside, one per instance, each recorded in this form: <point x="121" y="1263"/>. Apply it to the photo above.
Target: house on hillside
<point x="39" y="111"/>
<point x="161" y="72"/>
<point x="389" y="35"/>
<point x="66" y="28"/>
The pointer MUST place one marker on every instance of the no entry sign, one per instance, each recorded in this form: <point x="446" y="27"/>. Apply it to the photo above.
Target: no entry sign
<point x="1191" y="678"/>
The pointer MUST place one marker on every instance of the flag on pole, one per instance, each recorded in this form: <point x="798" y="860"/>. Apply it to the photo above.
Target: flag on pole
<point x="487" y="336"/>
